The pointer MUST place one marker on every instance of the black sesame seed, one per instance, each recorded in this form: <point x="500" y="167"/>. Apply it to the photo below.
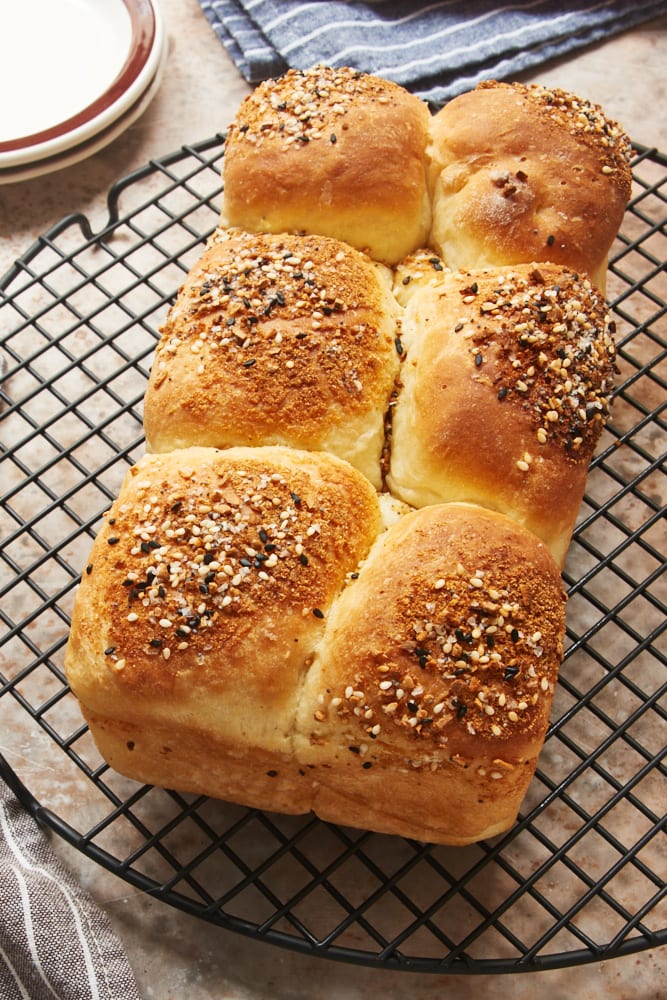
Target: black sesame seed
<point x="113" y="541"/>
<point x="272" y="774"/>
<point x="249" y="363"/>
<point x="155" y="643"/>
<point x="514" y="635"/>
<point x="245" y="562"/>
<point x="318" y="613"/>
<point x="303" y="559"/>
<point x="511" y="672"/>
<point x="366" y="764"/>
<point x="110" y="650"/>
<point x="354" y="749"/>
<point x="176" y="506"/>
<point x="502" y="392"/>
<point x="208" y="558"/>
<point x="551" y="240"/>
<point x="89" y="569"/>
<point x="332" y="139"/>
<point x="461" y="711"/>
<point x="145" y="548"/>
<point x="478" y="360"/>
<point x="263" y="537"/>
<point x="407" y="279"/>
<point x="295" y="498"/>
<point x="458" y="327"/>
<point x="130" y="744"/>
<point x="413" y="706"/>
<point x="436" y="263"/>
<point x="399" y="346"/>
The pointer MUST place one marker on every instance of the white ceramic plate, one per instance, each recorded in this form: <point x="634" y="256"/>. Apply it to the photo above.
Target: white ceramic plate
<point x="75" y="154"/>
<point x="71" y="70"/>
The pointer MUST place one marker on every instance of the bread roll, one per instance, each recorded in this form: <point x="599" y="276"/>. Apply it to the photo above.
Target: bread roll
<point x="277" y="340"/>
<point x="526" y="173"/>
<point x="335" y="152"/>
<point x="428" y="704"/>
<point x="202" y="605"/>
<point x="504" y="394"/>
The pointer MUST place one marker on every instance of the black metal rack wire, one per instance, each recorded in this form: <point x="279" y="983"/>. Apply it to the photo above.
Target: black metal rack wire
<point x="580" y="877"/>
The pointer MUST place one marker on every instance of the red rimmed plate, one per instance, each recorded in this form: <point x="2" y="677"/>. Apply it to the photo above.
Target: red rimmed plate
<point x="71" y="70"/>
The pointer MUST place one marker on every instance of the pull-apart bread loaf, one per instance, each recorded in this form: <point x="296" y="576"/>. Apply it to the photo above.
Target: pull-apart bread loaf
<point x="333" y="582"/>
<point x="277" y="339"/>
<point x="334" y="152"/>
<point x="527" y="173"/>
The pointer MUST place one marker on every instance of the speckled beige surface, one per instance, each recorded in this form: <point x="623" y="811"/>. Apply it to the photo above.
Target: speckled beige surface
<point x="176" y="957"/>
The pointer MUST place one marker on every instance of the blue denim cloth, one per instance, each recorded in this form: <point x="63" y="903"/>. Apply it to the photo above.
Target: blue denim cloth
<point x="437" y="50"/>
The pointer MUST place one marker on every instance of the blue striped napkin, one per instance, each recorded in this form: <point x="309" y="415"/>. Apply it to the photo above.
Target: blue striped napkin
<point x="55" y="942"/>
<point x="437" y="50"/>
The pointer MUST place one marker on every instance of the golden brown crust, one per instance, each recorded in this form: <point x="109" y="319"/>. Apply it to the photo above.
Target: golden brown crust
<point x="439" y="664"/>
<point x="277" y="340"/>
<point x="525" y="173"/>
<point x="331" y="151"/>
<point x="505" y="392"/>
<point x="205" y="557"/>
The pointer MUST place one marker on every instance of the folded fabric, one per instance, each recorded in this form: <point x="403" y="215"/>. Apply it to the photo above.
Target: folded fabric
<point x="437" y="50"/>
<point x="55" y="942"/>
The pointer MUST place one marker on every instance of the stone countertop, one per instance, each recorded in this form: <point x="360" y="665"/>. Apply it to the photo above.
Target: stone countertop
<point x="174" y="956"/>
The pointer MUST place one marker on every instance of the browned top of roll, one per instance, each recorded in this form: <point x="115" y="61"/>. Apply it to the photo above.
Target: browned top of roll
<point x="527" y="172"/>
<point x="332" y="151"/>
<point x="213" y="573"/>
<point x="506" y="385"/>
<point x="277" y="340"/>
<point x="448" y="645"/>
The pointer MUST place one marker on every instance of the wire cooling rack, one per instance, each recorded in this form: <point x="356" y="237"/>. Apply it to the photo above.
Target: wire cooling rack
<point x="579" y="878"/>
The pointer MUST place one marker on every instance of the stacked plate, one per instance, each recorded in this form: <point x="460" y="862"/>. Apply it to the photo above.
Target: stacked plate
<point x="74" y="75"/>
